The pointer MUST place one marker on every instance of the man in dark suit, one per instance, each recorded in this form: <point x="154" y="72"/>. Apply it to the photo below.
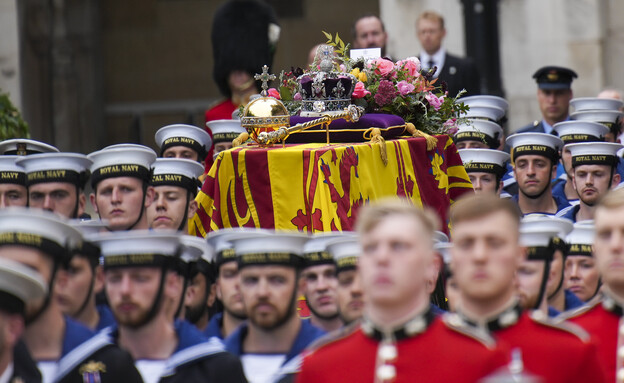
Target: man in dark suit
<point x="553" y="95"/>
<point x="458" y="72"/>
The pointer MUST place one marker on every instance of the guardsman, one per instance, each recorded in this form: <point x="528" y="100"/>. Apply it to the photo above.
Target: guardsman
<point x="120" y="177"/>
<point x="76" y="287"/>
<point x="201" y="291"/>
<point x="553" y="96"/>
<point x="270" y="342"/>
<point x="581" y="272"/>
<point x="13" y="191"/>
<point x="65" y="350"/>
<point x="19" y="285"/>
<point x="534" y="157"/>
<point x="175" y="182"/>
<point x="572" y="132"/>
<point x="320" y="282"/>
<point x="183" y="141"/>
<point x="345" y="252"/>
<point x="223" y="133"/>
<point x="56" y="182"/>
<point x="486" y="169"/>
<point x="485" y="259"/>
<point x="399" y="337"/>
<point x="24" y="147"/>
<point x="141" y="274"/>
<point x="593" y="167"/>
<point x="602" y="317"/>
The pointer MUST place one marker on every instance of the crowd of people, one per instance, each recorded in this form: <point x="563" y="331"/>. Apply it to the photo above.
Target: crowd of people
<point x="525" y="283"/>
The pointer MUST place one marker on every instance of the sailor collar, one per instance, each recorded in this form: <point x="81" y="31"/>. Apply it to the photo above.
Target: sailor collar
<point x="414" y="326"/>
<point x="504" y="319"/>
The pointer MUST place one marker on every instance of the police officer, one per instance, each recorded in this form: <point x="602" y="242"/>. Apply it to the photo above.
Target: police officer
<point x="141" y="274"/>
<point x="65" y="350"/>
<point x="485" y="168"/>
<point x="553" y="96"/>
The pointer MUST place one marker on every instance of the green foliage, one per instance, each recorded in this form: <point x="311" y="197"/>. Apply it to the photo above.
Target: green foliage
<point x="340" y="47"/>
<point x="11" y="123"/>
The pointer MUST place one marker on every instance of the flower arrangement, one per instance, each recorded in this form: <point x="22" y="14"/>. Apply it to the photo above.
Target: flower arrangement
<point x="383" y="86"/>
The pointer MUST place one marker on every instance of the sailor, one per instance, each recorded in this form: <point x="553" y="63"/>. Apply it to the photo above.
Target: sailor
<point x="399" y="337"/>
<point x="175" y="182"/>
<point x="534" y="158"/>
<point x="485" y="259"/>
<point x="486" y="169"/>
<point x="223" y="133"/>
<point x="478" y="134"/>
<point x="183" y="141"/>
<point x="65" y="351"/>
<point x="345" y="252"/>
<point x="56" y="182"/>
<point x="581" y="272"/>
<point x="120" y="177"/>
<point x="320" y="282"/>
<point x="141" y="277"/>
<point x="19" y="286"/>
<point x="270" y="342"/>
<point x="24" y="147"/>
<point x="593" y="167"/>
<point x="602" y="317"/>
<point x="572" y="132"/>
<point x="13" y="190"/>
<point x="200" y="298"/>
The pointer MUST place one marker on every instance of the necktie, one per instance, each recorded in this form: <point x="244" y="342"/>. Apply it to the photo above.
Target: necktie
<point x="431" y="63"/>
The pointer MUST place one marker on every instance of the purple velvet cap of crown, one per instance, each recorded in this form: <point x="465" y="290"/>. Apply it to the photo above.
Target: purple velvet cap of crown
<point x="330" y="83"/>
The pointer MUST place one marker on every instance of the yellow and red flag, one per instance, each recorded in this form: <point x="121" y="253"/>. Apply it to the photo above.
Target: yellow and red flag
<point x="316" y="187"/>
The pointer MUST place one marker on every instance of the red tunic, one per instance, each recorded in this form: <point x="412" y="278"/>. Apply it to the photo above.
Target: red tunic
<point x="442" y="353"/>
<point x="554" y="352"/>
<point x="602" y="325"/>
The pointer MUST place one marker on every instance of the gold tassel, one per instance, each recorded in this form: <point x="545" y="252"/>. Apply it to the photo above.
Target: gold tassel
<point x="432" y="142"/>
<point x="376" y="138"/>
<point x="238" y="141"/>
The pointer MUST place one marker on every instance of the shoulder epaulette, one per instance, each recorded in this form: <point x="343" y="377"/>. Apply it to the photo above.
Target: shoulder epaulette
<point x="333" y="336"/>
<point x="456" y="323"/>
<point x="579" y="310"/>
<point x="571" y="328"/>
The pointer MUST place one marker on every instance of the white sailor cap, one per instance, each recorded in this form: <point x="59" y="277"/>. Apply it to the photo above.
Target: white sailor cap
<point x="123" y="160"/>
<point x="439" y="237"/>
<point x="225" y="130"/>
<point x="346" y="252"/>
<point x="196" y="248"/>
<point x="40" y="229"/>
<point x="540" y="144"/>
<point x="315" y="250"/>
<point x="581" y="239"/>
<point x="24" y="147"/>
<point x="485" y="100"/>
<point x="605" y="117"/>
<point x="595" y="103"/>
<point x="220" y="241"/>
<point x="547" y="223"/>
<point x="11" y="172"/>
<point x="491" y="113"/>
<point x="19" y="284"/>
<point x="283" y="248"/>
<point x="184" y="135"/>
<point x="72" y="168"/>
<point x="177" y="172"/>
<point x="479" y="130"/>
<point x="444" y="248"/>
<point x="538" y="243"/>
<point x="594" y="153"/>
<point x="89" y="226"/>
<point x="139" y="248"/>
<point x="484" y="160"/>
<point x="580" y="131"/>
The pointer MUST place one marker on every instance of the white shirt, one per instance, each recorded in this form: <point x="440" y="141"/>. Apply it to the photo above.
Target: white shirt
<point x="48" y="370"/>
<point x="6" y="375"/>
<point x="438" y="60"/>
<point x="261" y="368"/>
<point x="151" y="370"/>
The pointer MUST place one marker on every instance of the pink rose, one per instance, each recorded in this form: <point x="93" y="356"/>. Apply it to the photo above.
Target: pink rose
<point x="434" y="101"/>
<point x="274" y="93"/>
<point x="297" y="97"/>
<point x="405" y="87"/>
<point x="359" y="91"/>
<point x="450" y="126"/>
<point x="412" y="65"/>
<point x="383" y="67"/>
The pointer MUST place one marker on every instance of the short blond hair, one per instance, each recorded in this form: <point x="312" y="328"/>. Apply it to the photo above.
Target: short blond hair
<point x="477" y="206"/>
<point x="370" y="216"/>
<point x="614" y="199"/>
<point x="431" y="16"/>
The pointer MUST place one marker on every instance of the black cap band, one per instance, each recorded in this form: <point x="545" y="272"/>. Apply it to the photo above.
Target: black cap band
<point x="279" y="259"/>
<point x="11" y="304"/>
<point x="574" y="138"/>
<point x="190" y="184"/>
<point x="12" y="177"/>
<point x="59" y="175"/>
<point x="318" y="258"/>
<point x="122" y="170"/>
<point x="346" y="263"/>
<point x="579" y="249"/>
<point x="224" y="256"/>
<point x="540" y="253"/>
<point x="540" y="150"/>
<point x="496" y="169"/>
<point x="59" y="253"/>
<point x="184" y="141"/>
<point x="224" y="137"/>
<point x="594" y="159"/>
<point x="492" y="142"/>
<point x="141" y="260"/>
